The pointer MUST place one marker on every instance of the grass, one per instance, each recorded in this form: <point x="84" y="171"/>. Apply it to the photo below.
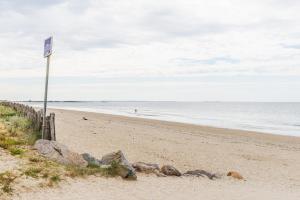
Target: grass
<point x="6" y="180"/>
<point x="19" y="129"/>
<point x="16" y="151"/>
<point x="17" y="135"/>
<point x="32" y="137"/>
<point x="74" y="171"/>
<point x="20" y="123"/>
<point x="35" y="159"/>
<point x="7" y="111"/>
<point x="8" y="142"/>
<point x="55" y="178"/>
<point x="33" y="172"/>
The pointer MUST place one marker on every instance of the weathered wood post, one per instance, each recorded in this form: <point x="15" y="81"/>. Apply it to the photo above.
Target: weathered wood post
<point x="39" y="120"/>
<point x="47" y="132"/>
<point x="52" y="126"/>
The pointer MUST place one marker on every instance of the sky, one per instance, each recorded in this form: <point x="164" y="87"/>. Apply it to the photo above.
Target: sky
<point x="171" y="50"/>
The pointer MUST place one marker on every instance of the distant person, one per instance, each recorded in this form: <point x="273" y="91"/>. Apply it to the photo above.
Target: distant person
<point x="135" y="111"/>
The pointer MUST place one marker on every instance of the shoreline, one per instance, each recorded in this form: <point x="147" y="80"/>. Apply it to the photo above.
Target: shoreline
<point x="176" y="122"/>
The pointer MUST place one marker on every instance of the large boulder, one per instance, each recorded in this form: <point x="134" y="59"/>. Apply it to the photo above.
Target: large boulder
<point x="170" y="170"/>
<point x="59" y="153"/>
<point x="117" y="159"/>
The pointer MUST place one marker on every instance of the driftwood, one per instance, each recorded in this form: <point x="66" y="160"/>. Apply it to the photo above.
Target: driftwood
<point x="36" y="117"/>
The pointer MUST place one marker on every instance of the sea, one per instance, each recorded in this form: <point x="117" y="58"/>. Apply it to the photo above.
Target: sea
<point x="269" y="117"/>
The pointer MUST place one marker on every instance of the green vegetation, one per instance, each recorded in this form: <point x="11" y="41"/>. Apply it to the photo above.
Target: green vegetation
<point x="19" y="129"/>
<point x="6" y="179"/>
<point x="55" y="178"/>
<point x="8" y="142"/>
<point x="16" y="151"/>
<point x="35" y="159"/>
<point x="16" y="135"/>
<point x="39" y="167"/>
<point x="74" y="171"/>
<point x="20" y="123"/>
<point x="7" y="111"/>
<point x="33" y="172"/>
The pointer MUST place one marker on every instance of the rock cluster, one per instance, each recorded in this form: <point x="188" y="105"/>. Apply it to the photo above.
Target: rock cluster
<point x="168" y="170"/>
<point x="61" y="154"/>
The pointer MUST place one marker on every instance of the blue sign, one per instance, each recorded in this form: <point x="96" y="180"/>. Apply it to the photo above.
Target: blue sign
<point x="48" y="47"/>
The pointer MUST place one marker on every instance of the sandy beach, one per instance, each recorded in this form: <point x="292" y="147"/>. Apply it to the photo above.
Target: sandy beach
<point x="269" y="163"/>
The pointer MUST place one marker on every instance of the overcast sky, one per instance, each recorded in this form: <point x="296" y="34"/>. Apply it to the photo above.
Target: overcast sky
<point x="187" y="50"/>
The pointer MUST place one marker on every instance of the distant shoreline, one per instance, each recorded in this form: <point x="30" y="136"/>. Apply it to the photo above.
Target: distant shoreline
<point x="74" y="101"/>
<point x="272" y="118"/>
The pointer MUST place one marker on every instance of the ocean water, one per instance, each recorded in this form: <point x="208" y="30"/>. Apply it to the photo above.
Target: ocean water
<point x="276" y="118"/>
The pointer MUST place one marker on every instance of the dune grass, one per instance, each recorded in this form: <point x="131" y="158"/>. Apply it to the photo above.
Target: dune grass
<point x="19" y="129"/>
<point x="16" y="151"/>
<point x="7" y="111"/>
<point x="6" y="180"/>
<point x="16" y="137"/>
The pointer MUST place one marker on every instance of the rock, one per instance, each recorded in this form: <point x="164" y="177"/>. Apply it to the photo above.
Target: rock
<point x="124" y="169"/>
<point x="84" y="118"/>
<point x="235" y="175"/>
<point x="59" y="153"/>
<point x="91" y="160"/>
<point x="170" y="170"/>
<point x="201" y="173"/>
<point x="147" y="168"/>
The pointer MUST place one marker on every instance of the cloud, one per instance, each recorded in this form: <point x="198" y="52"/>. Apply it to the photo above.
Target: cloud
<point x="150" y="38"/>
<point x="291" y="46"/>
<point x="210" y="61"/>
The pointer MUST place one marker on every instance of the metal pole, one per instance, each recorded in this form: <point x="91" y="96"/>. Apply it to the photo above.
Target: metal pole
<point x="45" y="98"/>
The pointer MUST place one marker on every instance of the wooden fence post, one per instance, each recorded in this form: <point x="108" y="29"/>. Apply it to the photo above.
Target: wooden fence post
<point x="52" y="126"/>
<point x="47" y="134"/>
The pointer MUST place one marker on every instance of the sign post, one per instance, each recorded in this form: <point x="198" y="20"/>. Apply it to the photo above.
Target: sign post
<point x="47" y="53"/>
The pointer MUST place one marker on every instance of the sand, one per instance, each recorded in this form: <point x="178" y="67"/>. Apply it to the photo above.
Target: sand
<point x="269" y="163"/>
